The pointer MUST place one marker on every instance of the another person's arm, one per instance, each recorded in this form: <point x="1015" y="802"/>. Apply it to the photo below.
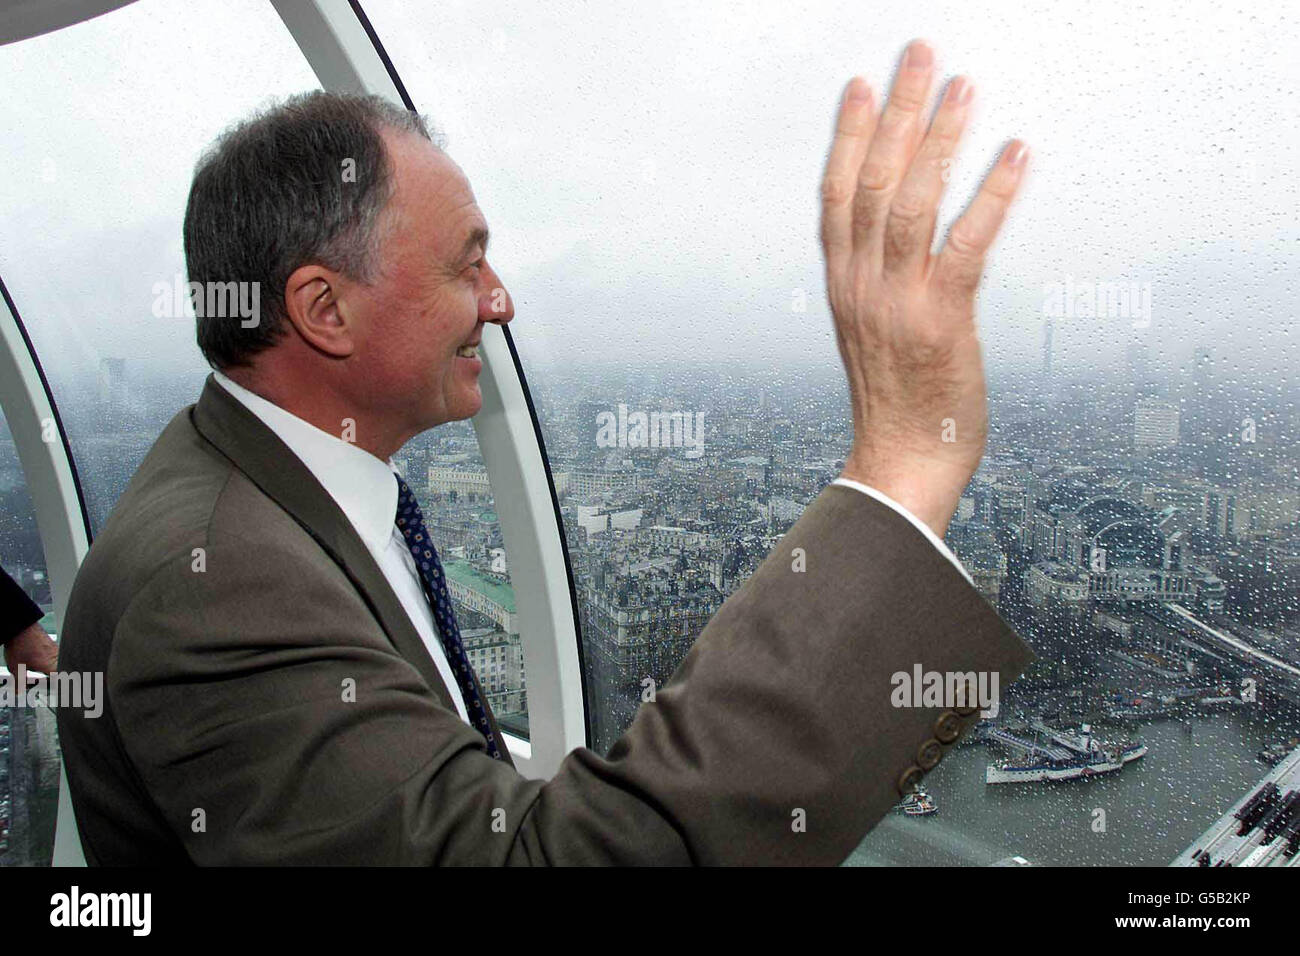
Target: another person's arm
<point x="25" y="641"/>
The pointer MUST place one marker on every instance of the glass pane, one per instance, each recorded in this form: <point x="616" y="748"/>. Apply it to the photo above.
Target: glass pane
<point x="102" y="156"/>
<point x="29" y="747"/>
<point x="106" y="120"/>
<point x="651" y="178"/>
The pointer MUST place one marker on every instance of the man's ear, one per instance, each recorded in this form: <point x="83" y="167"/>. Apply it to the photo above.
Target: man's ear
<point x="312" y="300"/>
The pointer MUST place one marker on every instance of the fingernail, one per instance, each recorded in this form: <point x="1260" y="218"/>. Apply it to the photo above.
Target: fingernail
<point x="858" y="91"/>
<point x="919" y="56"/>
<point x="959" y="91"/>
<point x="1017" y="154"/>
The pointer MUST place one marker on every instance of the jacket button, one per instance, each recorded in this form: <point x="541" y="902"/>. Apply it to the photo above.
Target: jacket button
<point x="931" y="753"/>
<point x="948" y="727"/>
<point x="910" y="779"/>
<point x="964" y="711"/>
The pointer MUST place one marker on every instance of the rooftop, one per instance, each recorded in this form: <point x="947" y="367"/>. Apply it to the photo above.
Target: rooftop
<point x="463" y="573"/>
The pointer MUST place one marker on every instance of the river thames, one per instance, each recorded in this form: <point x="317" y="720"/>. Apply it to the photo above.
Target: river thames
<point x="1154" y="807"/>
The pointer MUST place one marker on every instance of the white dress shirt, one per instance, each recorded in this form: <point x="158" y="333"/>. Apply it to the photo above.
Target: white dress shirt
<point x="365" y="490"/>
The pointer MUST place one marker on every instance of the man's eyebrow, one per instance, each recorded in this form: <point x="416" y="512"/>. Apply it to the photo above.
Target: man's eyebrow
<point x="478" y="236"/>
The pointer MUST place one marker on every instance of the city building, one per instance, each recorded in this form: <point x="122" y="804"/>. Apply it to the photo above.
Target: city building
<point x="464" y="483"/>
<point x="637" y="627"/>
<point x="588" y="485"/>
<point x="1155" y="425"/>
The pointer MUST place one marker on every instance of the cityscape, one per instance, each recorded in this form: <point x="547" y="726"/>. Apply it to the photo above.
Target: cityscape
<point x="1140" y="529"/>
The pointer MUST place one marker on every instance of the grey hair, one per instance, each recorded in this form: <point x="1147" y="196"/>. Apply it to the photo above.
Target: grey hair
<point x="301" y="182"/>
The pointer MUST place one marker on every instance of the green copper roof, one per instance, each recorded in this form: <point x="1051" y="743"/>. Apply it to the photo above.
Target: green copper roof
<point x="462" y="573"/>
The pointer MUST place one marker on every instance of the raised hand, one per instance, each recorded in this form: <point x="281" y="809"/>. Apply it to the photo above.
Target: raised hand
<point x="905" y="319"/>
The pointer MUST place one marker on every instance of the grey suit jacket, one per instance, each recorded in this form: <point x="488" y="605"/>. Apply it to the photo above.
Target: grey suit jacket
<point x="227" y="737"/>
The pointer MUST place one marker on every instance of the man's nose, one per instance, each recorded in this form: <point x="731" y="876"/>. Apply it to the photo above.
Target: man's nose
<point x="495" y="305"/>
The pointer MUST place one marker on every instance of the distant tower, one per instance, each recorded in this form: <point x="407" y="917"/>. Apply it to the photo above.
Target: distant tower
<point x="112" y="382"/>
<point x="1200" y="404"/>
<point x="1048" y="326"/>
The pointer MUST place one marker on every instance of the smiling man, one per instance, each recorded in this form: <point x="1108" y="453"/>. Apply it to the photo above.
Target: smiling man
<point x="286" y="678"/>
<point x="387" y="340"/>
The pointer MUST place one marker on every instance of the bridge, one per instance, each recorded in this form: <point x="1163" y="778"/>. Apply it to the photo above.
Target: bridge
<point x="1223" y="644"/>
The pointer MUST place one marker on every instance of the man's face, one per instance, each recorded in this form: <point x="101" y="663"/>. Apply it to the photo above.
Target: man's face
<point x="420" y="321"/>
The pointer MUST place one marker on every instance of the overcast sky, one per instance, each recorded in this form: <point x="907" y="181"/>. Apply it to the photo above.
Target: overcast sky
<point x="650" y="171"/>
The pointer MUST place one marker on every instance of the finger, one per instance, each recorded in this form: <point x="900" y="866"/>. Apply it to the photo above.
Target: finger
<point x="909" y="228"/>
<point x="853" y="128"/>
<point x="893" y="144"/>
<point x="961" y="262"/>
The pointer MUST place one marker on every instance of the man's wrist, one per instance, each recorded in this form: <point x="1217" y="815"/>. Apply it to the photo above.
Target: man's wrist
<point x="927" y="489"/>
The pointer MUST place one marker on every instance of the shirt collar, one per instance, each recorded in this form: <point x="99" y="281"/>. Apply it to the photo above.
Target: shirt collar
<point x="361" y="484"/>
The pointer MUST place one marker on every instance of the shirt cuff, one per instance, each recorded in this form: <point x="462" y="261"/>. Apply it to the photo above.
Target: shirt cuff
<point x="917" y="523"/>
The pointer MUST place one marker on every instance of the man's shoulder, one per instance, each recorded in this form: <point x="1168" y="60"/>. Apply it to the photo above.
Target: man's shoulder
<point x="185" y="502"/>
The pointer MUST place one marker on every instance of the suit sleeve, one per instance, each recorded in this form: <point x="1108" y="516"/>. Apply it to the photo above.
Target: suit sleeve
<point x="912" y="519"/>
<point x="17" y="611"/>
<point x="302" y="737"/>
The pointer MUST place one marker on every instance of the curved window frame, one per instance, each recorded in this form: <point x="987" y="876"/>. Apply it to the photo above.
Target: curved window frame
<point x="55" y="492"/>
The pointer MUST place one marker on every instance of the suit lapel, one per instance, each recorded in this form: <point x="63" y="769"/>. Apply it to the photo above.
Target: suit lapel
<point x="258" y="452"/>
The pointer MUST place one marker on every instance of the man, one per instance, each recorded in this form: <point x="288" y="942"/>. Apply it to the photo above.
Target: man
<point x="285" y="678"/>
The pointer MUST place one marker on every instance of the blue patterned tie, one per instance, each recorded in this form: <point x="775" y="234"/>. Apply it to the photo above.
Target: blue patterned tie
<point x="410" y="521"/>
